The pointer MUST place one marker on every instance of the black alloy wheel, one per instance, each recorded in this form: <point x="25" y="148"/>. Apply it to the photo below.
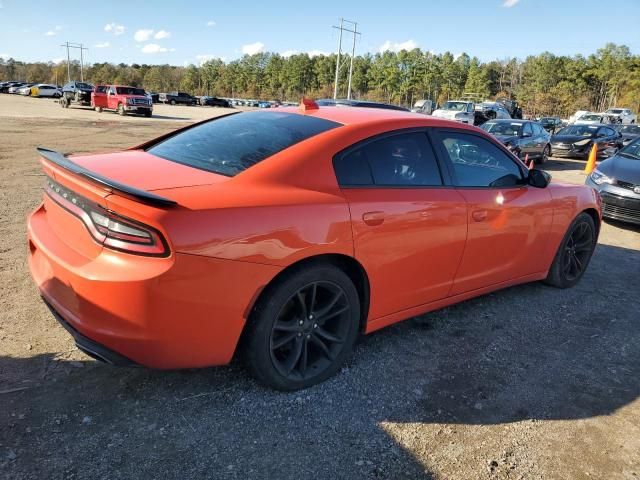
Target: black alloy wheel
<point x="310" y="330"/>
<point x="574" y="254"/>
<point x="303" y="327"/>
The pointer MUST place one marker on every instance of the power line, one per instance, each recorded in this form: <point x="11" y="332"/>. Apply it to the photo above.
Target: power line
<point x="353" y="51"/>
<point x="81" y="47"/>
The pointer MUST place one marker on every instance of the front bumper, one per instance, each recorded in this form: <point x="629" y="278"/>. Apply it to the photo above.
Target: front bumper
<point x="618" y="203"/>
<point x="138" y="108"/>
<point x="182" y="311"/>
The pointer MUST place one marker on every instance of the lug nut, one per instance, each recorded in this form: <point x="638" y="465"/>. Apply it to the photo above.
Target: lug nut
<point x="310" y="317"/>
<point x="315" y="325"/>
<point x="299" y="334"/>
<point x="301" y="322"/>
<point x="308" y="336"/>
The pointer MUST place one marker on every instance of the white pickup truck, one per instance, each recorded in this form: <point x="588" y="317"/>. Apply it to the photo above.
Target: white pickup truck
<point x="458" y="110"/>
<point x="622" y="115"/>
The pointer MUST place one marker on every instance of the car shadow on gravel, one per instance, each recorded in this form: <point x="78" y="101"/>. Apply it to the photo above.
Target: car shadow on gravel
<point x="527" y="352"/>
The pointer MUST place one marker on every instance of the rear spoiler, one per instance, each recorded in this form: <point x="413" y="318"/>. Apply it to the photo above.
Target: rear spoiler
<point x="145" y="197"/>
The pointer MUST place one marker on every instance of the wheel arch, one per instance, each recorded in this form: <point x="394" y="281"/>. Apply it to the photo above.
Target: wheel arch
<point x="349" y="265"/>
<point x="593" y="213"/>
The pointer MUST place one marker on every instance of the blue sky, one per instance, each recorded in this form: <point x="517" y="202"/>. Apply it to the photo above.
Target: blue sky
<point x="190" y="31"/>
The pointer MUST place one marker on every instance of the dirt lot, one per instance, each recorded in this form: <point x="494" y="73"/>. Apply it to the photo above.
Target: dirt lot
<point x="528" y="382"/>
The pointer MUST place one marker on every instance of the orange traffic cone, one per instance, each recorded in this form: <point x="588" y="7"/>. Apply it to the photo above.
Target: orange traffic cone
<point x="527" y="162"/>
<point x="591" y="163"/>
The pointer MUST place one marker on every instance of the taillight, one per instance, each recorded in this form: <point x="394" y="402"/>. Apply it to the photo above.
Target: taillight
<point x="108" y="228"/>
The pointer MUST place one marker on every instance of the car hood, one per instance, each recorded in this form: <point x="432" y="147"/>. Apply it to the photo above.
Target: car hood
<point x="506" y="138"/>
<point x="142" y="170"/>
<point x="621" y="168"/>
<point x="445" y="113"/>
<point x="568" y="138"/>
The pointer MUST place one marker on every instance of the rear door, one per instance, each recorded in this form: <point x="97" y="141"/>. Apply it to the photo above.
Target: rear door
<point x="99" y="96"/>
<point x="409" y="224"/>
<point x="508" y="220"/>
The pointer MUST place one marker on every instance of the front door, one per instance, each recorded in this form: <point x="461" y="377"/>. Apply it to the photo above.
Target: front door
<point x="409" y="227"/>
<point x="509" y="221"/>
<point x="112" y="98"/>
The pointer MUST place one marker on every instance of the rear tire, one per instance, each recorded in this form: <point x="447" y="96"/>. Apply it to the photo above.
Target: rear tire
<point x="172" y="102"/>
<point x="303" y="328"/>
<point x="545" y="155"/>
<point x="574" y="253"/>
<point x="98" y="109"/>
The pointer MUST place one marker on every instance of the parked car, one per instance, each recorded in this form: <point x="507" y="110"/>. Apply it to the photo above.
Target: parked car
<point x="577" y="115"/>
<point x="177" y="98"/>
<point x="214" y="102"/>
<point x="122" y="99"/>
<point x="264" y="104"/>
<point x="628" y="132"/>
<point x="46" y="90"/>
<point x="492" y="110"/>
<point x="512" y="107"/>
<point x="522" y="137"/>
<point x="424" y="106"/>
<point x="4" y="88"/>
<point x="25" y="89"/>
<point x="155" y="97"/>
<point x="592" y="119"/>
<point x="576" y="141"/>
<point x="76" y="92"/>
<point x="617" y="180"/>
<point x="343" y="102"/>
<point x="297" y="232"/>
<point x="15" y="88"/>
<point x="459" y="110"/>
<point x="621" y="115"/>
<point x="551" y="124"/>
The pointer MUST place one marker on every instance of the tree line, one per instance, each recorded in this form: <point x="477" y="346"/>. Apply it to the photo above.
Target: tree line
<point x="544" y="84"/>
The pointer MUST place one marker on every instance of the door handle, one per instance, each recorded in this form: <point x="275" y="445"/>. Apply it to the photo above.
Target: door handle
<point x="373" y="218"/>
<point x="479" y="215"/>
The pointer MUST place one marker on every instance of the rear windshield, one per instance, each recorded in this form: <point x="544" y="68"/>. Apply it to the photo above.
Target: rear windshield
<point x="229" y="145"/>
<point x="129" y="91"/>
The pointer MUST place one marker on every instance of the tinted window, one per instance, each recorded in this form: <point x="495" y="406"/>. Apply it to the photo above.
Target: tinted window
<point x="527" y="129"/>
<point x="229" y="145"/>
<point x="130" y="91"/>
<point x="537" y="129"/>
<point x="479" y="163"/>
<point x="502" y="128"/>
<point x="398" y="160"/>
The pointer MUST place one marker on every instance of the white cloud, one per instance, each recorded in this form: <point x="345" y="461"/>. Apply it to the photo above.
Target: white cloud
<point x="142" y="35"/>
<point x="58" y="60"/>
<point x="253" y="48"/>
<point x="102" y="45"/>
<point x="162" y="34"/>
<point x="5" y="56"/>
<point x="155" y="48"/>
<point x="50" y="33"/>
<point x="509" y="3"/>
<point x="389" y="46"/>
<point x="211" y="23"/>
<point x="288" y="53"/>
<point x="205" y="57"/>
<point x="114" y="28"/>
<point x="316" y="53"/>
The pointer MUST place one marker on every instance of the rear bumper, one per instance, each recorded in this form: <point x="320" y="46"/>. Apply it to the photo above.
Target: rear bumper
<point x="182" y="311"/>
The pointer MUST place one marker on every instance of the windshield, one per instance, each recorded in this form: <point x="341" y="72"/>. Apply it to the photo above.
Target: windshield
<point x="579" y="130"/>
<point x="632" y="150"/>
<point x="634" y="129"/>
<point x="84" y="85"/>
<point x="502" y="128"/>
<point x="230" y="144"/>
<point x="615" y="111"/>
<point x="546" y="120"/>
<point x="129" y="91"/>
<point x="590" y="118"/>
<point x="458" y="106"/>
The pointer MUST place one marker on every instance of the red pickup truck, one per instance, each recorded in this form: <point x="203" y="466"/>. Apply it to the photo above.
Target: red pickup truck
<point x="122" y="99"/>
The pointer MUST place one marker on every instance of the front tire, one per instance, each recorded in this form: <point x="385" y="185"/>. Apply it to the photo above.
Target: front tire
<point x="574" y="253"/>
<point x="172" y="102"/>
<point x="303" y="328"/>
<point x="121" y="110"/>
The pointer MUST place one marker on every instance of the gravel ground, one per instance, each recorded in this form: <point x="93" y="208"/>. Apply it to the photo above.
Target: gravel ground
<point x="528" y="382"/>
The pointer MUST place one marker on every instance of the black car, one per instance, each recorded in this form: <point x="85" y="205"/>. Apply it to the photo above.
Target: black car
<point x="576" y="141"/>
<point x="629" y="132"/>
<point x="551" y="124"/>
<point x="522" y="137"/>
<point x="177" y="98"/>
<point x="343" y="102"/>
<point x="76" y="92"/>
<point x="214" y="102"/>
<point x="617" y="179"/>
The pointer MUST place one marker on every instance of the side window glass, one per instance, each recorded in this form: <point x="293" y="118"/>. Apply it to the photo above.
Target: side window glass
<point x="478" y="163"/>
<point x="527" y="129"/>
<point x="399" y="160"/>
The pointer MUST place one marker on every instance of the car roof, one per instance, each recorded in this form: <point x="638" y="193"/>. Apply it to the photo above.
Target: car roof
<point x="357" y="115"/>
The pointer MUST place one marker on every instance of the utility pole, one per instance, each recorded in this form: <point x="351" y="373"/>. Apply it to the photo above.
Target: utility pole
<point x="355" y="32"/>
<point x="80" y="47"/>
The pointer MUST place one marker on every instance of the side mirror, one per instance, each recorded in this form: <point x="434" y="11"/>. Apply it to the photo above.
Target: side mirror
<point x="538" y="178"/>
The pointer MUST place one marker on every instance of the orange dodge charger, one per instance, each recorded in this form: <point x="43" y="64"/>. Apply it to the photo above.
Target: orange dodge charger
<point x="284" y="235"/>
